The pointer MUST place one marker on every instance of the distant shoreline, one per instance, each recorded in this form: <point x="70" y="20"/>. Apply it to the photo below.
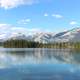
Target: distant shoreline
<point x="32" y="44"/>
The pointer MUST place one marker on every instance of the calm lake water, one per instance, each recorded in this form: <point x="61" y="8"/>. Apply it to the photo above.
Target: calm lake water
<point x="39" y="64"/>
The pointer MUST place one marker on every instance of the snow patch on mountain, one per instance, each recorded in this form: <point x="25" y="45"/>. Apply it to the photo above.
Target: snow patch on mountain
<point x="72" y="35"/>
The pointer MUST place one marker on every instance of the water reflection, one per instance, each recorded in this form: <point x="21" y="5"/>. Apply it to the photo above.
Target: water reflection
<point x="39" y="64"/>
<point x="15" y="56"/>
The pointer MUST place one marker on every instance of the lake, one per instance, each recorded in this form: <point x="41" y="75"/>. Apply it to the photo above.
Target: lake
<point x="39" y="64"/>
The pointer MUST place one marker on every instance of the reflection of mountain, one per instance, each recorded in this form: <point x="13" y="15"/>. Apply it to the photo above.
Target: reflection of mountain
<point x="10" y="57"/>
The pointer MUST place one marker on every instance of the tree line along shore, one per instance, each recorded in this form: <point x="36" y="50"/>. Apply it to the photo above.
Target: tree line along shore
<point x="32" y="44"/>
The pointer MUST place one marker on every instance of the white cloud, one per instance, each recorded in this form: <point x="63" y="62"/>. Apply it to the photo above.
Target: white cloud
<point x="73" y="22"/>
<point x="8" y="28"/>
<point x="4" y="26"/>
<point x="24" y="21"/>
<point x="7" y="4"/>
<point x="46" y="14"/>
<point x="57" y="16"/>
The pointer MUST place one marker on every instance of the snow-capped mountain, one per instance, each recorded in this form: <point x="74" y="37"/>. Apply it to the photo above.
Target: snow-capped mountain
<point x="44" y="37"/>
<point x="72" y="35"/>
<point x="41" y="37"/>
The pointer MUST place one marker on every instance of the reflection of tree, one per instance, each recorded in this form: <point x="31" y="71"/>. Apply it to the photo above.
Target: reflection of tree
<point x="39" y="55"/>
<point x="60" y="55"/>
<point x="16" y="52"/>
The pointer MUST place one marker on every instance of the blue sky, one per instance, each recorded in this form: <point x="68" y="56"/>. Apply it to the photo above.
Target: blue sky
<point x="46" y="15"/>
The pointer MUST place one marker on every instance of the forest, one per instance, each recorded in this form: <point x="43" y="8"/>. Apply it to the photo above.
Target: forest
<point x="33" y="44"/>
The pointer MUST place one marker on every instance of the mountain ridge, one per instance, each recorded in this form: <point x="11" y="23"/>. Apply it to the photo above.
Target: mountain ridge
<point x="72" y="35"/>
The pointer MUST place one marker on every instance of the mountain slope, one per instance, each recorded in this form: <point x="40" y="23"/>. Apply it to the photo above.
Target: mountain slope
<point x="72" y="35"/>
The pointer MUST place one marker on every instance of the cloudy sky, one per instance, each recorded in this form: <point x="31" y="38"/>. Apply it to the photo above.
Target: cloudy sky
<point x="46" y="15"/>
